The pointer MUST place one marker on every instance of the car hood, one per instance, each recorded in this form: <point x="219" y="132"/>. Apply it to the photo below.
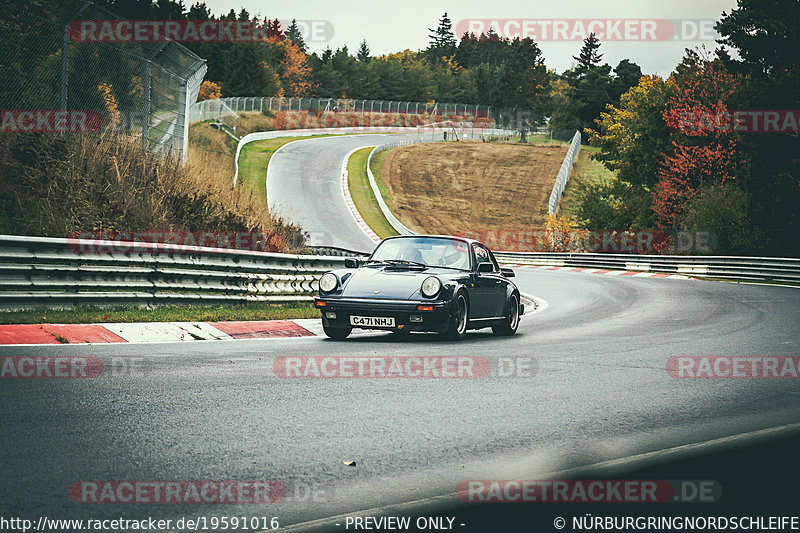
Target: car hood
<point x="392" y="283"/>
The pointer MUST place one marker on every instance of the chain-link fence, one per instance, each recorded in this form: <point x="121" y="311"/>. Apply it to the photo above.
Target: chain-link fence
<point x="56" y="80"/>
<point x="225" y="109"/>
<point x="461" y="131"/>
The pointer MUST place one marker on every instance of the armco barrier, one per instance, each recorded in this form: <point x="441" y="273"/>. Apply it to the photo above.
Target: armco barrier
<point x="730" y="267"/>
<point x="62" y="272"/>
<point x="563" y="174"/>
<point x="349" y="130"/>
<point x="263" y="135"/>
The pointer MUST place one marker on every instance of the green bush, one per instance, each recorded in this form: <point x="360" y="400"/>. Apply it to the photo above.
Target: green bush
<point x="722" y="210"/>
<point x="614" y="205"/>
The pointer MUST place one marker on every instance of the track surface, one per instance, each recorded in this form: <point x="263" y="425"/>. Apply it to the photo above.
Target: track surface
<point x="304" y="188"/>
<point x="215" y="411"/>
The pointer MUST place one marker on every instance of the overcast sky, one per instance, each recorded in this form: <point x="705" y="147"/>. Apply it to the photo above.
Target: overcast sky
<point x="395" y="26"/>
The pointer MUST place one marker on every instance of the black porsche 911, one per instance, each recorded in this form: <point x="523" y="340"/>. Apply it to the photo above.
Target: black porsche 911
<point x="421" y="283"/>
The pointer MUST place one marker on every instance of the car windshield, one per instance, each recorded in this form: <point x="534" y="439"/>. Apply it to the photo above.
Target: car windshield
<point x="428" y="251"/>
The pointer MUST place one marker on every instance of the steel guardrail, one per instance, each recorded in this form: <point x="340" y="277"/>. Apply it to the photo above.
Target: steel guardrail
<point x="563" y="174"/>
<point x="310" y="132"/>
<point x="63" y="272"/>
<point x="729" y="267"/>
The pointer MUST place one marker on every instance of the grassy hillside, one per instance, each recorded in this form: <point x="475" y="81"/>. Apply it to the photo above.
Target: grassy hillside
<point x="58" y="185"/>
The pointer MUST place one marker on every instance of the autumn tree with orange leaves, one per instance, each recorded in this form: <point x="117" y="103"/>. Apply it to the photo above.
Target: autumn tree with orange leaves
<point x="705" y="153"/>
<point x="297" y="76"/>
<point x="209" y="91"/>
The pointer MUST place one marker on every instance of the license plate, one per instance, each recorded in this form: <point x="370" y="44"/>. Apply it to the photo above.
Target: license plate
<point x="372" y="321"/>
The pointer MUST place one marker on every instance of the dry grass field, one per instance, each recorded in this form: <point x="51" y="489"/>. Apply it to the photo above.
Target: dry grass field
<point x="449" y="188"/>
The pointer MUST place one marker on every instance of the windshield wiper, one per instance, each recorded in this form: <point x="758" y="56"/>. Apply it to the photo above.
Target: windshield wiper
<point x="402" y="262"/>
<point x="398" y="262"/>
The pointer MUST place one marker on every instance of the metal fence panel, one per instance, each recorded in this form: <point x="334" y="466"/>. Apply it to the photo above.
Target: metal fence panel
<point x="140" y="89"/>
<point x="207" y="110"/>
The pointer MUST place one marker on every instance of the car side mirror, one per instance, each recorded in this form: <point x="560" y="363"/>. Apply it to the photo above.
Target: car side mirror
<point x="351" y="262"/>
<point x="507" y="272"/>
<point x="485" y="267"/>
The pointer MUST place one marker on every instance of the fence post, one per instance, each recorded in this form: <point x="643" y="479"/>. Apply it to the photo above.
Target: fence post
<point x="146" y="88"/>
<point x="181" y="122"/>
<point x="65" y="45"/>
<point x="64" y="68"/>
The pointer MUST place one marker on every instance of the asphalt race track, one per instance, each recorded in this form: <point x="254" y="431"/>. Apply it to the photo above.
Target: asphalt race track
<point x="304" y="188"/>
<point x="598" y="389"/>
<point x="589" y="385"/>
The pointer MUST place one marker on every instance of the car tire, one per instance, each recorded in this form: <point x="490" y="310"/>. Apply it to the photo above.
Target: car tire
<point x="510" y="323"/>
<point x="338" y="334"/>
<point x="457" y="325"/>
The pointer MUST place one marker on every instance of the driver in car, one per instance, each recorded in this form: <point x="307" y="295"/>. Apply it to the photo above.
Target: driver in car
<point x="455" y="256"/>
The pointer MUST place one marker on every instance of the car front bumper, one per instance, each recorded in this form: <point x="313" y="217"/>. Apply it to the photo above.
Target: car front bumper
<point x="408" y="316"/>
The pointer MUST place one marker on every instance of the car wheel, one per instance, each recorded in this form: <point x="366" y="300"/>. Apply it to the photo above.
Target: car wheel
<point x="336" y="333"/>
<point x="510" y="323"/>
<point x="457" y="327"/>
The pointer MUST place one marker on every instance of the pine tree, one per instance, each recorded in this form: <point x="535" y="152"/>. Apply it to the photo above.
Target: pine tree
<point x="522" y="85"/>
<point x="274" y="29"/>
<point x="442" y="41"/>
<point x="363" y="52"/>
<point x="199" y="11"/>
<point x="588" y="57"/>
<point x="294" y="35"/>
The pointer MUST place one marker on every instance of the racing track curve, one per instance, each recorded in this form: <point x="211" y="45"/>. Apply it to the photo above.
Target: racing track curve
<point x="304" y="188"/>
<point x="216" y="411"/>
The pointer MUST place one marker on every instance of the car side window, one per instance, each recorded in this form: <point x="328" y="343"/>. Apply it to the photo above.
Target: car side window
<point x="482" y="255"/>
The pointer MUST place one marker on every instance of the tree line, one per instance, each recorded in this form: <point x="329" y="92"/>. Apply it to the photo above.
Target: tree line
<point x="695" y="151"/>
<point x="673" y="168"/>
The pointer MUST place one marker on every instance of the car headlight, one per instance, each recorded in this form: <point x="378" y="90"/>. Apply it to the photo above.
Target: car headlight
<point x="431" y="286"/>
<point x="328" y="282"/>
